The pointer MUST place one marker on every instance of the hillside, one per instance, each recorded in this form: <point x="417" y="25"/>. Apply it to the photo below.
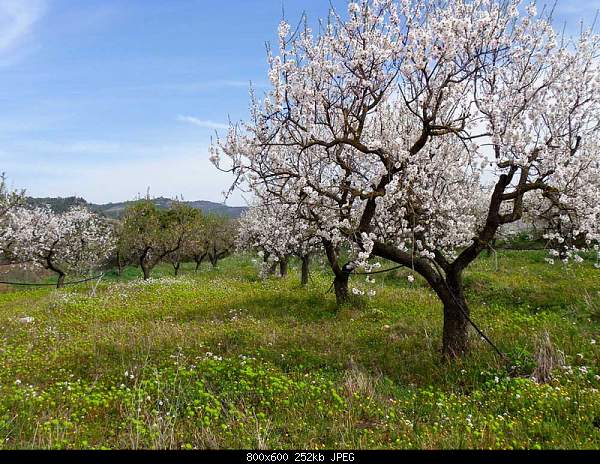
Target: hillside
<point x="115" y="210"/>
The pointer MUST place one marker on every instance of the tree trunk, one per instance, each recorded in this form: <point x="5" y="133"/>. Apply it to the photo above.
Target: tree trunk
<point x="145" y="263"/>
<point x="340" y="285"/>
<point x="340" y="282"/>
<point x="305" y="267"/>
<point x="176" y="268"/>
<point x="61" y="280"/>
<point x="272" y="269"/>
<point x="456" y="335"/>
<point x="199" y="259"/>
<point x="455" y="339"/>
<point x="146" y="268"/>
<point x="119" y="264"/>
<point x="51" y="266"/>
<point x="283" y="266"/>
<point x="146" y="271"/>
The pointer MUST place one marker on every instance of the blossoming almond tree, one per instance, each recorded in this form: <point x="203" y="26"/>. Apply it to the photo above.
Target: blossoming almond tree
<point x="76" y="240"/>
<point x="8" y="201"/>
<point x="413" y="130"/>
<point x="277" y="230"/>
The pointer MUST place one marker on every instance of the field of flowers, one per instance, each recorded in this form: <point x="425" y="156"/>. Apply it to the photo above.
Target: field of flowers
<point x="221" y="359"/>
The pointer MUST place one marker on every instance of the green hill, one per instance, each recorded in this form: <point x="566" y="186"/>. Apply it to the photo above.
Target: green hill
<point x="115" y="210"/>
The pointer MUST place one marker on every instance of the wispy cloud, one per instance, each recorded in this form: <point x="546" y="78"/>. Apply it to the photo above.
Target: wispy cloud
<point x="17" y="21"/>
<point x="230" y="83"/>
<point x="207" y="124"/>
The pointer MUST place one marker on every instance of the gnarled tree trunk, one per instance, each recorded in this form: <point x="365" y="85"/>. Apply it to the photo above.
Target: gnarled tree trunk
<point x="176" y="267"/>
<point x="146" y="267"/>
<point x="342" y="274"/>
<point x="340" y="286"/>
<point x="145" y="263"/>
<point x="61" y="280"/>
<point x="455" y="338"/>
<point x="145" y="270"/>
<point x="54" y="268"/>
<point x="213" y="257"/>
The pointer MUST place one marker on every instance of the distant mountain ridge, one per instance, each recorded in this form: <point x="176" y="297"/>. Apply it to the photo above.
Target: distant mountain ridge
<point x="116" y="210"/>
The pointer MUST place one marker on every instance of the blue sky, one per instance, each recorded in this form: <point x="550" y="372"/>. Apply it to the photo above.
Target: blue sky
<point x="105" y="98"/>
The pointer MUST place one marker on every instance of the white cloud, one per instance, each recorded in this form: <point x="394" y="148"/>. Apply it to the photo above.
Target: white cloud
<point x="17" y="20"/>
<point x="207" y="124"/>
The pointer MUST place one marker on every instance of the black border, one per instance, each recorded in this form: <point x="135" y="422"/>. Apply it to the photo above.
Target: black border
<point x="324" y="456"/>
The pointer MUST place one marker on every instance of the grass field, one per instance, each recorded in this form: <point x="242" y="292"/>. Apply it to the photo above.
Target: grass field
<point x="220" y="359"/>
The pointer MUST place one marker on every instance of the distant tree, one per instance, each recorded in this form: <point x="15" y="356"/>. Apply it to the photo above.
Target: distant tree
<point x="197" y="244"/>
<point x="145" y="235"/>
<point x="277" y="231"/>
<point x="185" y="226"/>
<point x="150" y="235"/>
<point x="139" y="234"/>
<point x="58" y="205"/>
<point x="9" y="199"/>
<point x="75" y="240"/>
<point x="220" y="233"/>
<point x="121" y="255"/>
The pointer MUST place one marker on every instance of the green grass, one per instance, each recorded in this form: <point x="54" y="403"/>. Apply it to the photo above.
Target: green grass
<point x="221" y="359"/>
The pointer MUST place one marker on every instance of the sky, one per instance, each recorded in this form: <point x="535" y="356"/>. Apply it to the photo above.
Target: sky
<point x="105" y="99"/>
